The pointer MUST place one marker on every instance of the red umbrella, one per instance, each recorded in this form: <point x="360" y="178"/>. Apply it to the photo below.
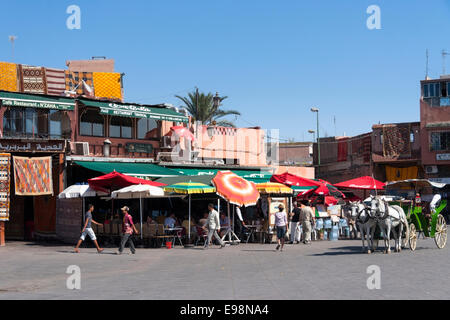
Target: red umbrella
<point x="362" y="183"/>
<point x="181" y="131"/>
<point x="115" y="180"/>
<point x="235" y="189"/>
<point x="292" y="180"/>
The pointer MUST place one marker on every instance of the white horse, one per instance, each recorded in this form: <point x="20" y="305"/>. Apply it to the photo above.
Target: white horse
<point x="389" y="218"/>
<point x="365" y="223"/>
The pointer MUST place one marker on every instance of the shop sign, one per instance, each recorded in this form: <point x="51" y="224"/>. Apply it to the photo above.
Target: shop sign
<point x="16" y="146"/>
<point x="443" y="157"/>
<point x="139" y="147"/>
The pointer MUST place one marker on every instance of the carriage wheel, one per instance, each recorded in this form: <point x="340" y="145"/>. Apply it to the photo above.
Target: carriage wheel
<point x="440" y="236"/>
<point x="412" y="237"/>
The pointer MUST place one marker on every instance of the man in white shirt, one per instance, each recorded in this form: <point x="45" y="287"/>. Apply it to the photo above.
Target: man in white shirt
<point x="170" y="221"/>
<point x="213" y="224"/>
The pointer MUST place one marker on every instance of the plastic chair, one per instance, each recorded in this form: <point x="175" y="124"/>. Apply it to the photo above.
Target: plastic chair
<point x="202" y="235"/>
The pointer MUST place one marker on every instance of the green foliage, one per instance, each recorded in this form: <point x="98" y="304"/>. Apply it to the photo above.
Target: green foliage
<point x="201" y="107"/>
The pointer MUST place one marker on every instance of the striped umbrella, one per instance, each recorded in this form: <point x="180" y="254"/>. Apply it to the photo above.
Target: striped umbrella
<point x="235" y="189"/>
<point x="189" y="188"/>
<point x="273" y="187"/>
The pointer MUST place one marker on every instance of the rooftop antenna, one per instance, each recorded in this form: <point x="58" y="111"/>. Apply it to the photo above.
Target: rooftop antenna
<point x="444" y="53"/>
<point x="426" y="66"/>
<point x="12" y="39"/>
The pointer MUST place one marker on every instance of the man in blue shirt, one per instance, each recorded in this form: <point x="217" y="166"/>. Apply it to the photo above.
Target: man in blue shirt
<point x="87" y="230"/>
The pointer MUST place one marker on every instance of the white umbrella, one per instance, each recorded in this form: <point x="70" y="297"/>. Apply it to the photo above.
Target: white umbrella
<point x="138" y="191"/>
<point x="79" y="191"/>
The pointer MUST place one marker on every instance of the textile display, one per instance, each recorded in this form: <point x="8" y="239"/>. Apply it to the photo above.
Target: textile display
<point x="55" y="79"/>
<point x="33" y="176"/>
<point x="74" y="79"/>
<point x="396" y="174"/>
<point x="396" y="140"/>
<point x="32" y="79"/>
<point x="107" y="85"/>
<point x="5" y="166"/>
<point x="8" y="76"/>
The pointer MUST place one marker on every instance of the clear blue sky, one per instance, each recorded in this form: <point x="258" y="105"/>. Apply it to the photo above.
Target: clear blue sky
<point x="274" y="59"/>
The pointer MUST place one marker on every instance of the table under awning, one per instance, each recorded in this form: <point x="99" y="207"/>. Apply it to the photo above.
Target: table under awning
<point x="146" y="171"/>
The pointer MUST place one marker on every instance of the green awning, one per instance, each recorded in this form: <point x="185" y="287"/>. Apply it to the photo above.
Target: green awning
<point x="36" y="101"/>
<point x="136" y="110"/>
<point x="250" y="175"/>
<point x="147" y="171"/>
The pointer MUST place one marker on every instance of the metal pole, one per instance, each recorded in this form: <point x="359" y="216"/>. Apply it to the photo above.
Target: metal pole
<point x="140" y="211"/>
<point x="318" y="147"/>
<point x="189" y="227"/>
<point x="228" y="209"/>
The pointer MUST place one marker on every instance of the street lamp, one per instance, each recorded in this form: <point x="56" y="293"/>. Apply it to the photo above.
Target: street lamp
<point x="313" y="132"/>
<point x="318" y="141"/>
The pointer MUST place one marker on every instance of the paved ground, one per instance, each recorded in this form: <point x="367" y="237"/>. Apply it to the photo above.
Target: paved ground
<point x="323" y="270"/>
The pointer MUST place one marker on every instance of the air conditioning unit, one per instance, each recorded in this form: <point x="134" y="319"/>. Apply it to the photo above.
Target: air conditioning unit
<point x="166" y="142"/>
<point x="81" y="148"/>
<point x="431" y="169"/>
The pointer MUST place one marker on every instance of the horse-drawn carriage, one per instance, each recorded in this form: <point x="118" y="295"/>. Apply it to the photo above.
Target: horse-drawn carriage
<point x="423" y="220"/>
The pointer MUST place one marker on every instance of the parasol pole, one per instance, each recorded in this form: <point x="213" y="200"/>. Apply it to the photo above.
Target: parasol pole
<point x="228" y="209"/>
<point x="140" y="210"/>
<point x="189" y="227"/>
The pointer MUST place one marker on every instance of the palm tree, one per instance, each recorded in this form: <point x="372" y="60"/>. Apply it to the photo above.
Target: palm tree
<point x="202" y="107"/>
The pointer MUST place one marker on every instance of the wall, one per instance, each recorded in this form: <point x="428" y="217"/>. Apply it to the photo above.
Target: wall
<point x="104" y="65"/>
<point x="430" y="115"/>
<point x="243" y="146"/>
<point x="305" y="172"/>
<point x="295" y="153"/>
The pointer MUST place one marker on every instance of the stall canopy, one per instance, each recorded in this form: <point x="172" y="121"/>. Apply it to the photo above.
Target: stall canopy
<point x="140" y="170"/>
<point x="256" y="176"/>
<point x="115" y="180"/>
<point x="156" y="112"/>
<point x="414" y="184"/>
<point x="362" y="183"/>
<point x="273" y="187"/>
<point x="182" y="179"/>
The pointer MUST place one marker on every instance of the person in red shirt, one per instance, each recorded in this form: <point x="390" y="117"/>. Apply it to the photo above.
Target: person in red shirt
<point x="127" y="231"/>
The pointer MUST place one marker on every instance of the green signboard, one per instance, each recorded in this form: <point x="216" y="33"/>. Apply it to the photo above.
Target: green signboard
<point x="35" y="101"/>
<point x="136" y="111"/>
<point x="139" y="147"/>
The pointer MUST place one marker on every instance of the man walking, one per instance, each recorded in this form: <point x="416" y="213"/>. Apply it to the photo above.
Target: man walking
<point x="295" y="218"/>
<point x="213" y="225"/>
<point x="87" y="230"/>
<point x="127" y="231"/>
<point x="307" y="220"/>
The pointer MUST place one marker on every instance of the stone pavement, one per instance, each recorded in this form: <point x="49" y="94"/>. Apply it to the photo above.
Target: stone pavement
<point x="323" y="270"/>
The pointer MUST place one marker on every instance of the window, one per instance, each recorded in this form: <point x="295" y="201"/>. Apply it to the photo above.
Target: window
<point x="426" y="92"/>
<point x="147" y="128"/>
<point x="440" y="141"/>
<point x="92" y="123"/>
<point x="120" y="127"/>
<point x="35" y="123"/>
<point x="59" y="124"/>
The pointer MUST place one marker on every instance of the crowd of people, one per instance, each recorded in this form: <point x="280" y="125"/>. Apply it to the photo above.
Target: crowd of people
<point x="211" y="225"/>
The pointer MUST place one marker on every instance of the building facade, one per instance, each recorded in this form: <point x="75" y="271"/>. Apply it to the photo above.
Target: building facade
<point x="435" y="127"/>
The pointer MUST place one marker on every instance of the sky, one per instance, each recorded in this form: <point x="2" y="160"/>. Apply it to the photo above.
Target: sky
<point x="273" y="59"/>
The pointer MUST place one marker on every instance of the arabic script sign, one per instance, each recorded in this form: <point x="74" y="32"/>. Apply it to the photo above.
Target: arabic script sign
<point x="18" y="146"/>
